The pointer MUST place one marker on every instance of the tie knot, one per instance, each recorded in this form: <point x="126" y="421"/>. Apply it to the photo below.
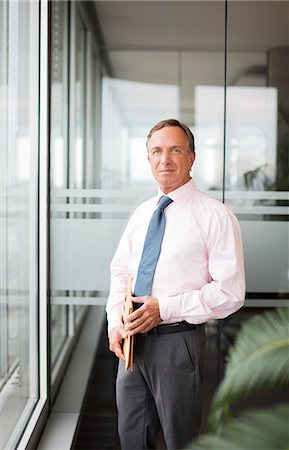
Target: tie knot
<point x="164" y="202"/>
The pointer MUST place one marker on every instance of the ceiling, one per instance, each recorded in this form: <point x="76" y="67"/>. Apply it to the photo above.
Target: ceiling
<point x="192" y="24"/>
<point x="181" y="43"/>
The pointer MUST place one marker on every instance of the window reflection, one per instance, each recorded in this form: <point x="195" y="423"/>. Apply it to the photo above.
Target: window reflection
<point x="250" y="140"/>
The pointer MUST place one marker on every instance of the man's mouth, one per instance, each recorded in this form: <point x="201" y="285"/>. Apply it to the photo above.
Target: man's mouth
<point x="166" y="170"/>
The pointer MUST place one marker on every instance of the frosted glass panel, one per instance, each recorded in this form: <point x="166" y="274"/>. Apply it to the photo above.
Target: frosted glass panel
<point x="84" y="237"/>
<point x="82" y="252"/>
<point x="266" y="256"/>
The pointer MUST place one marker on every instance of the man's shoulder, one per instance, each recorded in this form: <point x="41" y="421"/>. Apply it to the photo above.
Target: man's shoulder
<point x="210" y="203"/>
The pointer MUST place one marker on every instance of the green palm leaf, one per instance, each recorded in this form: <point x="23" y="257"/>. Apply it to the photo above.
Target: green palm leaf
<point x="254" y="430"/>
<point x="258" y="360"/>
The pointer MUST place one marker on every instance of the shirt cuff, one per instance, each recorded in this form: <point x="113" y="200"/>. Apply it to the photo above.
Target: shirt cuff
<point x="170" y="308"/>
<point x="180" y="307"/>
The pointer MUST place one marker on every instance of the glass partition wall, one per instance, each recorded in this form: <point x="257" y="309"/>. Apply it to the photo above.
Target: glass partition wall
<point x="229" y="85"/>
<point x="257" y="143"/>
<point x="232" y="91"/>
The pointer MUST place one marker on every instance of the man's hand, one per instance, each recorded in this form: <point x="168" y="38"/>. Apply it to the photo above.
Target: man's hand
<point x="144" y="318"/>
<point x="115" y="337"/>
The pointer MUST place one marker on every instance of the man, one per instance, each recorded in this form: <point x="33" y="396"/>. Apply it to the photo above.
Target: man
<point x="199" y="276"/>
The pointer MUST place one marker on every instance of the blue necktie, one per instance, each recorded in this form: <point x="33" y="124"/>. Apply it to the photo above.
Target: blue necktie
<point x="151" y="250"/>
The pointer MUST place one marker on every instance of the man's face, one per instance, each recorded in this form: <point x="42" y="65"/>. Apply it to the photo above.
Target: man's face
<point x="170" y="158"/>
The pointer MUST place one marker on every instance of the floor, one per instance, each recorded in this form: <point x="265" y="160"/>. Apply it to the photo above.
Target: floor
<point x="62" y="422"/>
<point x="84" y="416"/>
<point x="97" y="423"/>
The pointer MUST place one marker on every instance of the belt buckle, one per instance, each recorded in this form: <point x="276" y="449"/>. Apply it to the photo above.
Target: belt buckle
<point x="155" y="331"/>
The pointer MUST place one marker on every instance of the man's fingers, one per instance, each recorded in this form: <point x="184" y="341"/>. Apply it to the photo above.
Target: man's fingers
<point x="117" y="350"/>
<point x="135" y="314"/>
<point x="141" y="326"/>
<point x="115" y="341"/>
<point x="119" y="354"/>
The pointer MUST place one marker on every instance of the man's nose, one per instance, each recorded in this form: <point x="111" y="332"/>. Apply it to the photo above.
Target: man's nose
<point x="166" y="157"/>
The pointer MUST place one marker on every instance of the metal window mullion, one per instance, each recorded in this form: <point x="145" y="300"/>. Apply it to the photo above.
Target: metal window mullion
<point x="84" y="104"/>
<point x="3" y="198"/>
<point x="33" y="201"/>
<point x="71" y="131"/>
<point x="39" y="415"/>
<point x="71" y="94"/>
<point x="43" y="205"/>
<point x="66" y="81"/>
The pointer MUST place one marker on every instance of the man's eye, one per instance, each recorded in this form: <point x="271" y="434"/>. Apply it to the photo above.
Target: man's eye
<point x="176" y="150"/>
<point x="156" y="151"/>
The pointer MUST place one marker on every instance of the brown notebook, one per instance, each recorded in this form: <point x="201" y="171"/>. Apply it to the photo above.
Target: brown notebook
<point x="128" y="342"/>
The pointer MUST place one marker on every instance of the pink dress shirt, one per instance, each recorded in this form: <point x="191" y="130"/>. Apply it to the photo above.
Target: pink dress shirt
<point x="200" y="271"/>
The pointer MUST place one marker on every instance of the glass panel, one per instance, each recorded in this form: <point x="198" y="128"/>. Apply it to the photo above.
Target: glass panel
<point x="90" y="113"/>
<point x="73" y="137"/>
<point x="19" y="32"/>
<point x="77" y="171"/>
<point x="59" y="146"/>
<point x="257" y="142"/>
<point x="145" y="92"/>
<point x="59" y="94"/>
<point x="95" y="124"/>
<point x="203" y="109"/>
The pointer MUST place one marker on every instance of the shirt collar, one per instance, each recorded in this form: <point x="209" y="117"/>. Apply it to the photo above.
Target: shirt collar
<point x="181" y="194"/>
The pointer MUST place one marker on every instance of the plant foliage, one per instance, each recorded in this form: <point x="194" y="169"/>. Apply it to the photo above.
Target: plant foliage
<point x="258" y="360"/>
<point x="254" y="430"/>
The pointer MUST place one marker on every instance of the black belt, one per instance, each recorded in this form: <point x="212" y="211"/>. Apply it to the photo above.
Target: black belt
<point x="169" y="328"/>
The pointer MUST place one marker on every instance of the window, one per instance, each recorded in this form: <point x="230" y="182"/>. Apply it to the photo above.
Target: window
<point x="19" y="363"/>
<point x="74" y="97"/>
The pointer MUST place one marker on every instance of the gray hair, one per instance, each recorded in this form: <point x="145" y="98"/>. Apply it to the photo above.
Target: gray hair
<point x="174" y="123"/>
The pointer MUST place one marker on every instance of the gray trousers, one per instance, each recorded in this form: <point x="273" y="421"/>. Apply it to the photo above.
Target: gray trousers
<point x="162" y="392"/>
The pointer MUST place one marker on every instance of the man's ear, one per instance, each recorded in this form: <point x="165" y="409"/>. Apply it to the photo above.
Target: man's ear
<point x="192" y="159"/>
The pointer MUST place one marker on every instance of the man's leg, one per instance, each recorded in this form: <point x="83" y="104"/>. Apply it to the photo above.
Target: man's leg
<point x="138" y="421"/>
<point x="174" y="373"/>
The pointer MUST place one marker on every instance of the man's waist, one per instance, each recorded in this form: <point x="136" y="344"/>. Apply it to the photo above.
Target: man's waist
<point x="176" y="327"/>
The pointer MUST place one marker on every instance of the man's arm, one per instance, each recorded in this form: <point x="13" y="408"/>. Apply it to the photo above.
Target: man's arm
<point x="225" y="292"/>
<point x="120" y="276"/>
<point x="119" y="270"/>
